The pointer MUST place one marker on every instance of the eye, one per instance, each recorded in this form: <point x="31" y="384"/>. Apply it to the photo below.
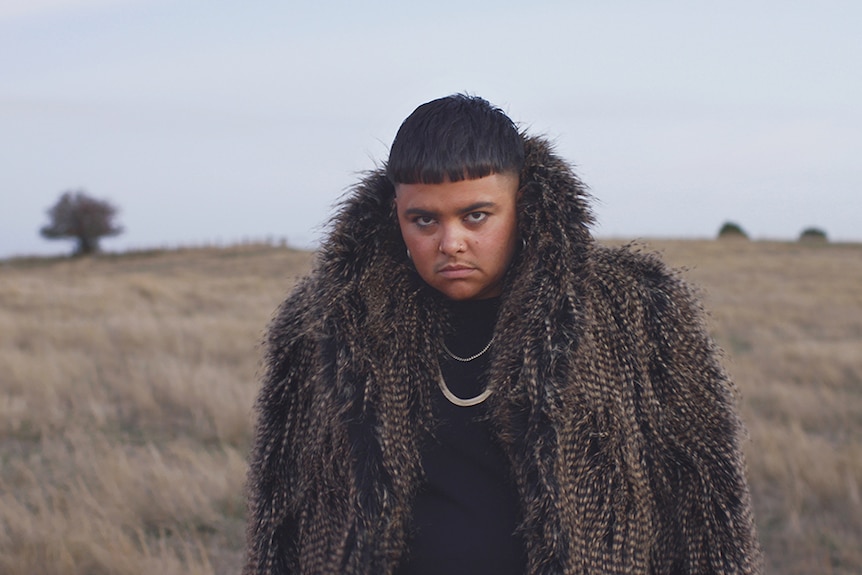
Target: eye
<point x="423" y="221"/>
<point x="476" y="217"/>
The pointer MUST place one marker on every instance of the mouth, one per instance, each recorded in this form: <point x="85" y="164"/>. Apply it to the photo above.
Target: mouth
<point x="455" y="271"/>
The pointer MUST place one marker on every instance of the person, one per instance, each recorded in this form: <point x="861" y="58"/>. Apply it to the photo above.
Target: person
<point x="467" y="382"/>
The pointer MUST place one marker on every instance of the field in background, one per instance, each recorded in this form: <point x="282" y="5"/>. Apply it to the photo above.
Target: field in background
<point x="126" y="385"/>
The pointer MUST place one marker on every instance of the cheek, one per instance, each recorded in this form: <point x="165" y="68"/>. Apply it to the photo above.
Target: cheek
<point x="506" y="245"/>
<point x="407" y="235"/>
<point x="505" y="235"/>
<point x="422" y="249"/>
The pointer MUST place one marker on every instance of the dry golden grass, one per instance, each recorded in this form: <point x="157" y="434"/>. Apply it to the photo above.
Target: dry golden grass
<point x="126" y="385"/>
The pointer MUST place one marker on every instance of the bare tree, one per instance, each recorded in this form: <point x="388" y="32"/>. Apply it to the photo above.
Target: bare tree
<point x="78" y="216"/>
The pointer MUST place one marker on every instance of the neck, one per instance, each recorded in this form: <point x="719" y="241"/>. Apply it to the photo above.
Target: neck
<point x="471" y="325"/>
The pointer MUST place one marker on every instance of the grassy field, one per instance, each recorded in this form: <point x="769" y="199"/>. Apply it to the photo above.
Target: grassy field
<point x="126" y="385"/>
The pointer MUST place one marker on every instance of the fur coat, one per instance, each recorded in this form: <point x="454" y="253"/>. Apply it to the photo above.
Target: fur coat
<point x="609" y="402"/>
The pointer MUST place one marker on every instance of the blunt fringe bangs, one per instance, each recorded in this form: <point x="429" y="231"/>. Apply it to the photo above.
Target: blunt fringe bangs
<point x="454" y="138"/>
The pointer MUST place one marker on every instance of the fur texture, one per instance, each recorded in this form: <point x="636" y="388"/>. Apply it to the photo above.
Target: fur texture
<point x="609" y="402"/>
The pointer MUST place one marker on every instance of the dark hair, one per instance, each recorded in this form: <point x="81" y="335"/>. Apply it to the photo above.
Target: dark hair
<point x="456" y="138"/>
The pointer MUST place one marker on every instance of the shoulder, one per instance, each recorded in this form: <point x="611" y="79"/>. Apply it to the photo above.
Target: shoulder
<point x="632" y="263"/>
<point x="296" y="315"/>
<point x="630" y="271"/>
<point x="654" y="304"/>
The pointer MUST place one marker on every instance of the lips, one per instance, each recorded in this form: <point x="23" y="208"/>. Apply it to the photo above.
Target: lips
<point x="455" y="271"/>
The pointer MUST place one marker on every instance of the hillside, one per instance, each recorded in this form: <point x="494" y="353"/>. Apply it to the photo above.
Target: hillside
<point x="126" y="385"/>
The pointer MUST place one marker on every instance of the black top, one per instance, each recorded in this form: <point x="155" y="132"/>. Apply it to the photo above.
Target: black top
<point x="466" y="513"/>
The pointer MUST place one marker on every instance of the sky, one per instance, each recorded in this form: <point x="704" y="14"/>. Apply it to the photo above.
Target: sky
<point x="213" y="122"/>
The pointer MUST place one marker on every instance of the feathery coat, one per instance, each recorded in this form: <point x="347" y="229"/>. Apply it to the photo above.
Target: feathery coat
<point x="609" y="402"/>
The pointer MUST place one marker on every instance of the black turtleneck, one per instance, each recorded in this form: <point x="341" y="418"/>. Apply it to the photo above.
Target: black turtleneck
<point x="465" y="515"/>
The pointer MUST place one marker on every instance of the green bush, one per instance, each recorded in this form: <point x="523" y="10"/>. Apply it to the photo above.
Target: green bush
<point x="732" y="230"/>
<point x="813" y="235"/>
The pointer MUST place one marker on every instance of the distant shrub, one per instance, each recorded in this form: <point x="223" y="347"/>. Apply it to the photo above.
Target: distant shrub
<point x="813" y="235"/>
<point x="79" y="217"/>
<point x="732" y="230"/>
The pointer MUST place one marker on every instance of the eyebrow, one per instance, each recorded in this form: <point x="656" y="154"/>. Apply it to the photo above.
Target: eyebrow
<point x="463" y="211"/>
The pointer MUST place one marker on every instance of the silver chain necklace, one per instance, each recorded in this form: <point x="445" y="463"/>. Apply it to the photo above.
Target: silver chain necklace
<point x="447" y="393"/>
<point x="466" y="359"/>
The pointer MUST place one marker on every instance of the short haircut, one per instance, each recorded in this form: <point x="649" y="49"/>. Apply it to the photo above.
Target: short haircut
<point x="459" y="137"/>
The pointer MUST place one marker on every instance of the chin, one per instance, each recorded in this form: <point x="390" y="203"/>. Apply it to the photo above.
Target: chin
<point x="465" y="293"/>
<point x="459" y="297"/>
<point x="457" y="293"/>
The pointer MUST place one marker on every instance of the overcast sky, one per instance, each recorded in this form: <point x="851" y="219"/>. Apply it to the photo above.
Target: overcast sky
<point x="209" y="121"/>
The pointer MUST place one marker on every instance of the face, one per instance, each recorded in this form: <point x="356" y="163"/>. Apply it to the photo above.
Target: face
<point x="461" y="235"/>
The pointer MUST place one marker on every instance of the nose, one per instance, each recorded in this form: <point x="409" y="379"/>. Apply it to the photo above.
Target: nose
<point x="451" y="241"/>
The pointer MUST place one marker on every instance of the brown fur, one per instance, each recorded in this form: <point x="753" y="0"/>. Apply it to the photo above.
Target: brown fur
<point x="609" y="402"/>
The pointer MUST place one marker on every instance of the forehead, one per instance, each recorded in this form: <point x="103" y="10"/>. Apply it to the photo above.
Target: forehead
<point x="495" y="188"/>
